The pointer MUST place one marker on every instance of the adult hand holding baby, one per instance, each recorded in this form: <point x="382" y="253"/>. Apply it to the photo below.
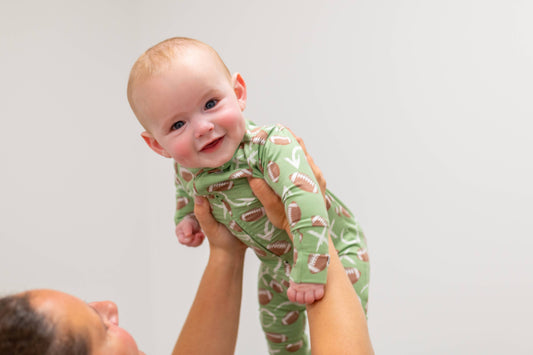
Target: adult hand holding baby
<point x="217" y="234"/>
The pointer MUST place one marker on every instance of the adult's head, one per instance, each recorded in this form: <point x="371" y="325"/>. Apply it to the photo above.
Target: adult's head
<point x="42" y="322"/>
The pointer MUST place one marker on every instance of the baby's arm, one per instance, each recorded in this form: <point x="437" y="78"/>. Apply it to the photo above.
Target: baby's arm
<point x="188" y="229"/>
<point x="189" y="232"/>
<point x="293" y="178"/>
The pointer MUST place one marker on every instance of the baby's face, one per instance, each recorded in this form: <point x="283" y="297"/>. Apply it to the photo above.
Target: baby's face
<point x="193" y="111"/>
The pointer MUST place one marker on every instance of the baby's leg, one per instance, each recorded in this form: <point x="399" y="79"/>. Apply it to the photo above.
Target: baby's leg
<point x="355" y="260"/>
<point x="283" y="321"/>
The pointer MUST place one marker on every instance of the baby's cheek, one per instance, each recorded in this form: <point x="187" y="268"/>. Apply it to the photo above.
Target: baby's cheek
<point x="231" y="118"/>
<point x="182" y="153"/>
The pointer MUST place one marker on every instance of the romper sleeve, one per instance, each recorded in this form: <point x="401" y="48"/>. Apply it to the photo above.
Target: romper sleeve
<point x="184" y="201"/>
<point x="287" y="172"/>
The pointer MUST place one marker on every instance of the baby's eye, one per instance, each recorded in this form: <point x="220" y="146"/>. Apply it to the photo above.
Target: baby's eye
<point x="210" y="104"/>
<point x="177" y="125"/>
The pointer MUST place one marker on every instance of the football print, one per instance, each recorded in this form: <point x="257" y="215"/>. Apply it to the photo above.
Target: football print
<point x="221" y="186"/>
<point x="328" y="202"/>
<point x="362" y="254"/>
<point x="260" y="137"/>
<point x="227" y="206"/>
<point x="304" y="182"/>
<point x="253" y="214"/>
<point x="181" y="202"/>
<point x="241" y="174"/>
<point x="319" y="221"/>
<point x="341" y="211"/>
<point x="280" y="247"/>
<point x="265" y="296"/>
<point x="280" y="140"/>
<point x="273" y="171"/>
<point x="259" y="251"/>
<point x="353" y="274"/>
<point x="234" y="226"/>
<point x="294" y="214"/>
<point x="276" y="286"/>
<point x="317" y="262"/>
<point x="294" y="347"/>
<point x="276" y="338"/>
<point x="186" y="174"/>
<point x="290" y="317"/>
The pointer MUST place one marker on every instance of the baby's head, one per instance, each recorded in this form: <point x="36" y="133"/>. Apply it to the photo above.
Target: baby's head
<point x="188" y="103"/>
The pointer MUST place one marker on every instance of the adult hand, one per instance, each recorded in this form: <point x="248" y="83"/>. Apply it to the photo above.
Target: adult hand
<point x="218" y="235"/>
<point x="274" y="208"/>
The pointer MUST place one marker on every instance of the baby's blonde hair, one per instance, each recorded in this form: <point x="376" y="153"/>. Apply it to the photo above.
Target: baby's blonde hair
<point x="159" y="58"/>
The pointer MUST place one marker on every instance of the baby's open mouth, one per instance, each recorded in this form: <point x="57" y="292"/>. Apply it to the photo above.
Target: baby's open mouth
<point x="212" y="145"/>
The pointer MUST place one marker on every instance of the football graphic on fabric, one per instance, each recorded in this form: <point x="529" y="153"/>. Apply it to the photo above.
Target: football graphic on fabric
<point x="319" y="221"/>
<point x="260" y="137"/>
<point x="273" y="171"/>
<point x="280" y="247"/>
<point x="253" y="214"/>
<point x="181" y="202"/>
<point x="304" y="182"/>
<point x="353" y="274"/>
<point x="294" y="347"/>
<point x="186" y="174"/>
<point x="241" y="174"/>
<point x="276" y="338"/>
<point x="280" y="140"/>
<point x="265" y="296"/>
<point x="294" y="214"/>
<point x="290" y="317"/>
<point x="317" y="262"/>
<point x="221" y="186"/>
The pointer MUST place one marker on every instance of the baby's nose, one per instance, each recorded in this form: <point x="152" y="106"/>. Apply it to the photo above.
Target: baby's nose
<point x="203" y="126"/>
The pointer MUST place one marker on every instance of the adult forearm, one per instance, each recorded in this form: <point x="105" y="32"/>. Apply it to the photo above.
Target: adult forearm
<point x="340" y="310"/>
<point x="213" y="321"/>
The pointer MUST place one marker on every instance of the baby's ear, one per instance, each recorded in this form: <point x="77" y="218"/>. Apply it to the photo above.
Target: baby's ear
<point x="239" y="87"/>
<point x="154" y="145"/>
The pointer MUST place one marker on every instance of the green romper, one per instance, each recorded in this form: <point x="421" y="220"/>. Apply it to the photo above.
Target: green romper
<point x="273" y="154"/>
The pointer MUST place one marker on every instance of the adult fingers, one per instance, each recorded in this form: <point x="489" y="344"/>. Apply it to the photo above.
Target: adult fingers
<point x="202" y="211"/>
<point x="274" y="208"/>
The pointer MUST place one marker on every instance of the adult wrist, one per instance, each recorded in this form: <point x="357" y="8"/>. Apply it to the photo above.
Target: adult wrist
<point x="227" y="256"/>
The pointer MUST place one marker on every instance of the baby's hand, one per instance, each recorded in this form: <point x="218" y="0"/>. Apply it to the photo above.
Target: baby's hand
<point x="189" y="232"/>
<point x="305" y="293"/>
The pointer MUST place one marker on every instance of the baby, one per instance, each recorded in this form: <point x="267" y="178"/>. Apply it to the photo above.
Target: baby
<point x="191" y="108"/>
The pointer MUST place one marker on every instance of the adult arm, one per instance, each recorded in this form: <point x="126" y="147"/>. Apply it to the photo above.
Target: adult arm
<point x="213" y="321"/>
<point x="337" y="322"/>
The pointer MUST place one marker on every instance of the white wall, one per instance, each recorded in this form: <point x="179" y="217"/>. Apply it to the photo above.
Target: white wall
<point x="427" y="103"/>
<point x="72" y="188"/>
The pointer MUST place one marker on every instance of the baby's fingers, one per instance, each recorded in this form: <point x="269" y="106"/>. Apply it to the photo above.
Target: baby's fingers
<point x="184" y="239"/>
<point x="197" y="239"/>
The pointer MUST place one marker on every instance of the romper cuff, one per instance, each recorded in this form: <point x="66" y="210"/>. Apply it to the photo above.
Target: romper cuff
<point x="310" y="268"/>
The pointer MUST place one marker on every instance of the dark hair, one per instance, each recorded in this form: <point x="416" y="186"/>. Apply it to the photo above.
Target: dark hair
<point x="24" y="331"/>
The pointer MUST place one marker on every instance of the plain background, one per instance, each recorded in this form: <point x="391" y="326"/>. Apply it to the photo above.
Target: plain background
<point x="418" y="112"/>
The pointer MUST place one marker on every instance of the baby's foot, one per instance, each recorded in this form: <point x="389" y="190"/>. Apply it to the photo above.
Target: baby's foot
<point x="305" y="293"/>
